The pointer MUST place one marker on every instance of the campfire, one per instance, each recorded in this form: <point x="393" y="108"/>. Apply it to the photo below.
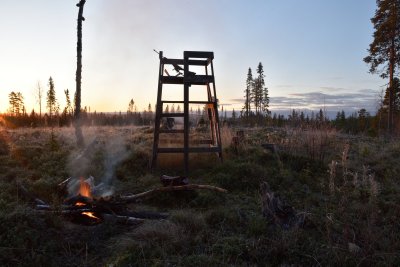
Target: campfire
<point x="83" y="202"/>
<point x="90" y="205"/>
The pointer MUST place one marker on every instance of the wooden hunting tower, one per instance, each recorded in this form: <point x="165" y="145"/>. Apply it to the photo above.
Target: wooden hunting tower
<point x="192" y="61"/>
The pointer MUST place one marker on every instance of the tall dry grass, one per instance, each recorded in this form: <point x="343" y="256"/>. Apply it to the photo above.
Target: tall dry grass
<point x="315" y="143"/>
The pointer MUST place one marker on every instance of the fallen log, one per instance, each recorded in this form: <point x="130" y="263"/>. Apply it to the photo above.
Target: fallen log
<point x="78" y="198"/>
<point x="133" y="198"/>
<point x="63" y="212"/>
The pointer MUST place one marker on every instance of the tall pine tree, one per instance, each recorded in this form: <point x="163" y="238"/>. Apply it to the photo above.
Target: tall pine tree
<point x="384" y="51"/>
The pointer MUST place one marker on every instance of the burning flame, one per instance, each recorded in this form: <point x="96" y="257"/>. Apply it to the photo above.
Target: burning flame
<point x="84" y="189"/>
<point x="80" y="204"/>
<point x="90" y="215"/>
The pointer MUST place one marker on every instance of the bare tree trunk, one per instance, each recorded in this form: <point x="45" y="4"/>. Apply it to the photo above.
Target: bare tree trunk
<point x="39" y="96"/>
<point x="78" y="129"/>
<point x="391" y="88"/>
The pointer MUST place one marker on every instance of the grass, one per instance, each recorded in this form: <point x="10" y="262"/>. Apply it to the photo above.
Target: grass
<point x="348" y="186"/>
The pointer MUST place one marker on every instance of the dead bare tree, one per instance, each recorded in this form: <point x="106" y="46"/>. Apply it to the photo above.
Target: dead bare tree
<point x="78" y="129"/>
<point x="39" y="97"/>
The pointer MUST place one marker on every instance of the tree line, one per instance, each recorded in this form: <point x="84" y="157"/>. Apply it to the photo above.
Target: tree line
<point x="55" y="116"/>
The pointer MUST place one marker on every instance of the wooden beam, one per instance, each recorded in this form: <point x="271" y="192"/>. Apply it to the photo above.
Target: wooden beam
<point x="171" y="131"/>
<point x="198" y="54"/>
<point x="190" y="150"/>
<point x="199" y="79"/>
<point x="171" y="80"/>
<point x="171" y="61"/>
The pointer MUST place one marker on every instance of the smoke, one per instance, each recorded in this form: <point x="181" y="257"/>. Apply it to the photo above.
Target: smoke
<point x="113" y="151"/>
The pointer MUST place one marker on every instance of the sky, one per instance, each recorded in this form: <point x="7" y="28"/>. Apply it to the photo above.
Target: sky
<point x="311" y="50"/>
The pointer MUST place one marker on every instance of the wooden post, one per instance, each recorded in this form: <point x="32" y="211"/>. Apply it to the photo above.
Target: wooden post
<point x="158" y="113"/>
<point x="186" y="116"/>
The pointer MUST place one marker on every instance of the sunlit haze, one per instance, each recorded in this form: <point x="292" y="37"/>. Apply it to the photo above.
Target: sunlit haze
<point x="311" y="50"/>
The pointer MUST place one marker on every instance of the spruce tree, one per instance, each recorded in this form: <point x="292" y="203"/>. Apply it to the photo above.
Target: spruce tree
<point x="13" y="101"/>
<point x="265" y="101"/>
<point x="20" y="104"/>
<point x="131" y="106"/>
<point x="68" y="106"/>
<point x="258" y="91"/>
<point x="51" y="100"/>
<point x="248" y="92"/>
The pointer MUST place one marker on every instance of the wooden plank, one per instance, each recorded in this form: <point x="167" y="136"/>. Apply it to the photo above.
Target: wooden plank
<point x="170" y="150"/>
<point x="204" y="149"/>
<point x="171" y="131"/>
<point x="171" y="102"/>
<point x="190" y="150"/>
<point x="171" y="61"/>
<point x="195" y="80"/>
<point x="171" y="80"/>
<point x="201" y="102"/>
<point x="198" y="54"/>
<point x="203" y="142"/>
<point x="190" y="102"/>
<point x="199" y="79"/>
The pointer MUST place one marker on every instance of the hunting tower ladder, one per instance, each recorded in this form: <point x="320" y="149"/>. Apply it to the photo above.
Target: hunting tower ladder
<point x="187" y="78"/>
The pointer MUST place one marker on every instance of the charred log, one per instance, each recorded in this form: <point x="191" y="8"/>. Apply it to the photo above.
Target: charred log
<point x="78" y="199"/>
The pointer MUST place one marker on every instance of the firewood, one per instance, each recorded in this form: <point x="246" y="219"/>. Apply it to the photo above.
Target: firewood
<point x="133" y="198"/>
<point x="78" y="198"/>
<point x="63" y="212"/>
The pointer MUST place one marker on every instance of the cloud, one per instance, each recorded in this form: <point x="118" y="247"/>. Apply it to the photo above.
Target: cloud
<point x="333" y="101"/>
<point x="364" y="98"/>
<point x="329" y="88"/>
<point x="236" y="101"/>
